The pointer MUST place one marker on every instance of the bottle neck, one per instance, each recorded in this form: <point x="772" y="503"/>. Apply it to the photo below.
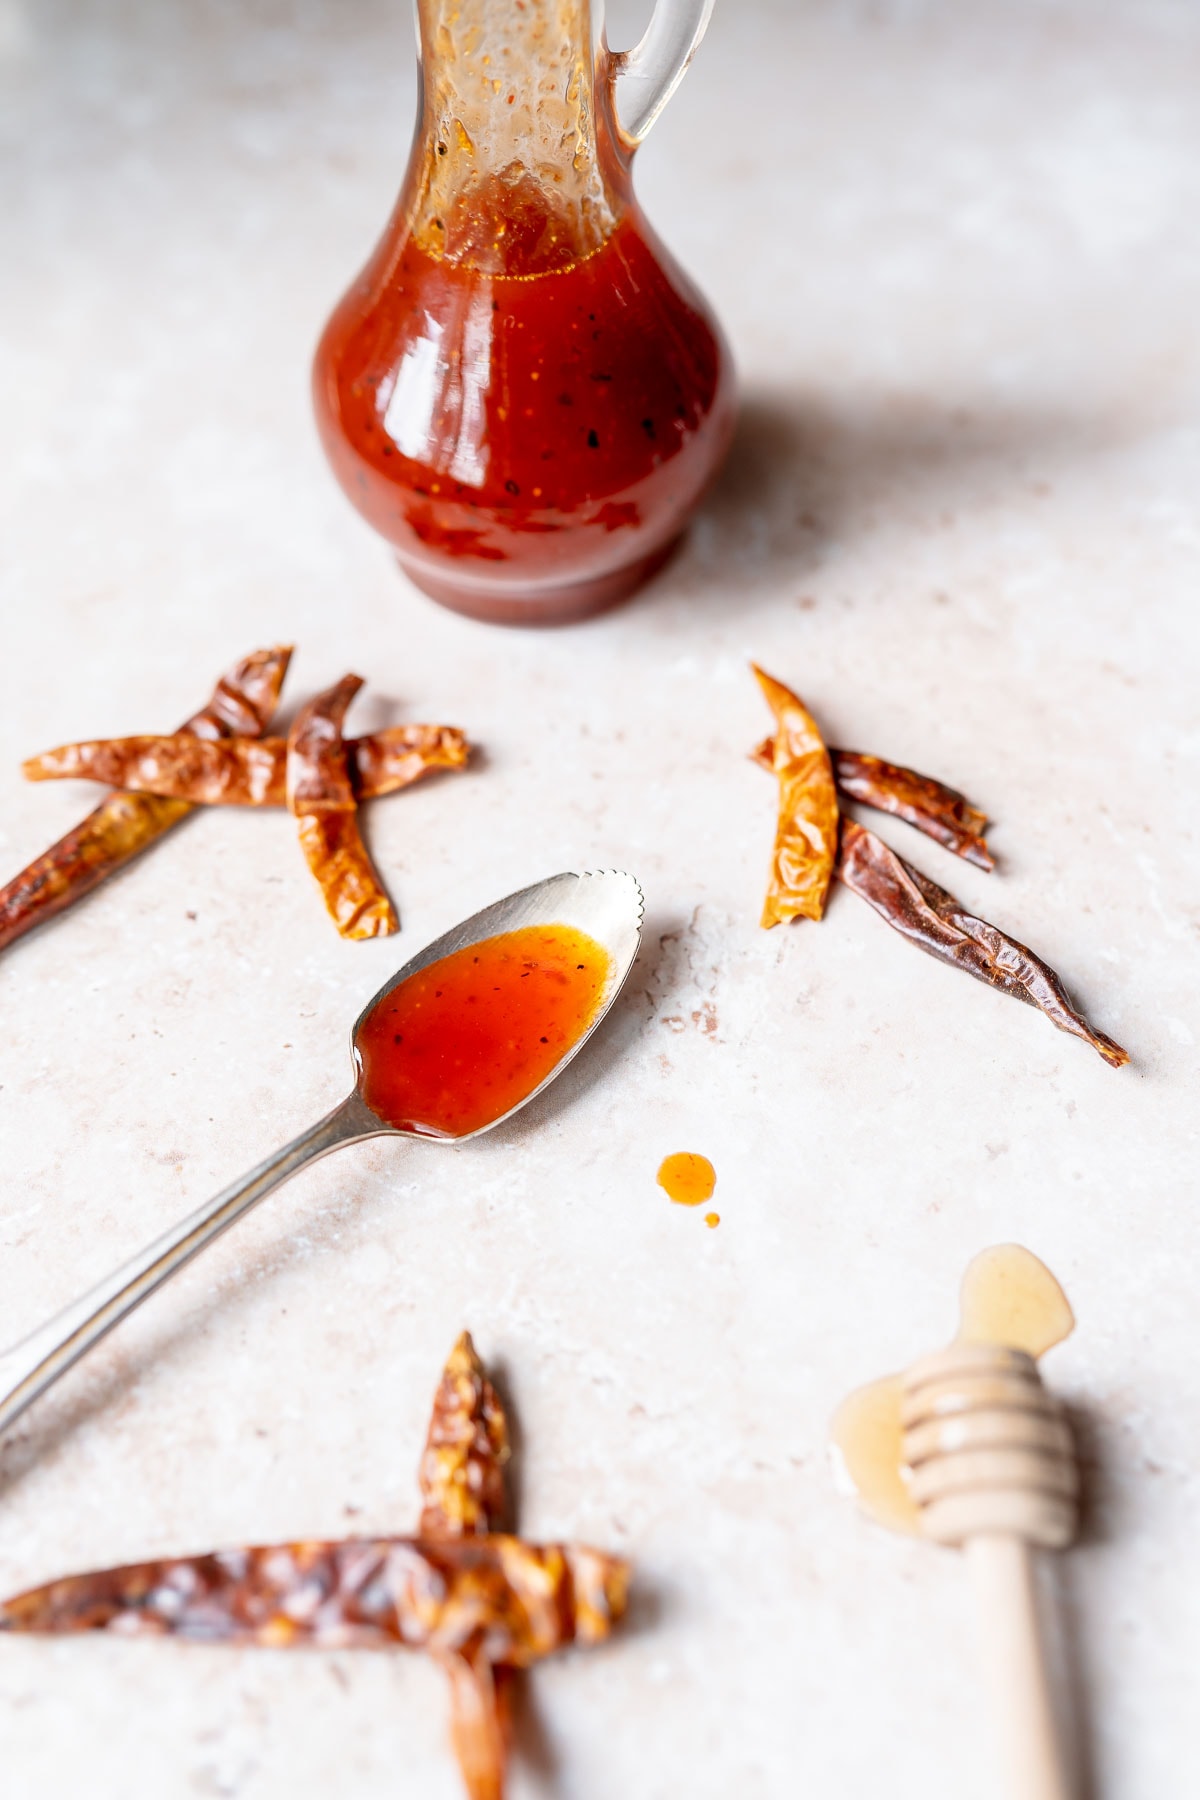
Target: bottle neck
<point x="513" y="170"/>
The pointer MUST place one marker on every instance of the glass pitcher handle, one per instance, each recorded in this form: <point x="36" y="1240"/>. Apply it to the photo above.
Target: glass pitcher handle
<point x="645" y="77"/>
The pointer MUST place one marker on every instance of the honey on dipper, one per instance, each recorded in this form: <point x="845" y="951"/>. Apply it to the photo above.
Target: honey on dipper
<point x="968" y="1448"/>
<point x="1009" y="1299"/>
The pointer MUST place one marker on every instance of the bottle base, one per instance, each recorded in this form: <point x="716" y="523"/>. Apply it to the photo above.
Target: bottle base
<point x="564" y="605"/>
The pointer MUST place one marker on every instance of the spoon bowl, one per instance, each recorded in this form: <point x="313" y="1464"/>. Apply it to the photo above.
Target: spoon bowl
<point x="605" y="906"/>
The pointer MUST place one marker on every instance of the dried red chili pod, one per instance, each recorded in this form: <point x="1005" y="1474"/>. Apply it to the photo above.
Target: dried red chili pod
<point x="806" y="826"/>
<point x="463" y="1494"/>
<point x="466" y="1451"/>
<point x="321" y="796"/>
<point x="241" y="771"/>
<point x="226" y="772"/>
<point x="485" y="1604"/>
<point x="125" y="824"/>
<point x="516" y="1602"/>
<point x="936" y="922"/>
<point x="941" y="812"/>
<point x="383" y="762"/>
<point x="910" y="903"/>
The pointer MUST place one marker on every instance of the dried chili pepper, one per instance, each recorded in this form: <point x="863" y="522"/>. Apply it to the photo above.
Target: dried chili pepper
<point x="912" y="904"/>
<point x="806" y="829"/>
<point x="941" y="812"/>
<point x="462" y="1470"/>
<point x="484" y="1603"/>
<point x="321" y="796"/>
<point x="237" y="771"/>
<point x="936" y="922"/>
<point x="518" y="1602"/>
<point x="125" y="824"/>
<point x="383" y="762"/>
<point x="243" y="772"/>
<point x="462" y="1490"/>
<point x="315" y="771"/>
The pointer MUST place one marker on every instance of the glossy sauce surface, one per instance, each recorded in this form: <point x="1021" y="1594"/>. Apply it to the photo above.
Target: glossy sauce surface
<point x="1008" y="1297"/>
<point x="687" y="1179"/>
<point x="512" y="432"/>
<point x="461" y="1042"/>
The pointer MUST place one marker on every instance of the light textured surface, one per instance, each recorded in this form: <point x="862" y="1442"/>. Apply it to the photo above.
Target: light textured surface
<point x="954" y="245"/>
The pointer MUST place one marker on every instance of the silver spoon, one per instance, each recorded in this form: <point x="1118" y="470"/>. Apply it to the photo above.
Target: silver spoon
<point x="605" y="905"/>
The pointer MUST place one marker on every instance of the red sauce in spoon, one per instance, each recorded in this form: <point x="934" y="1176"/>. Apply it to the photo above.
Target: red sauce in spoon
<point x="463" y="1041"/>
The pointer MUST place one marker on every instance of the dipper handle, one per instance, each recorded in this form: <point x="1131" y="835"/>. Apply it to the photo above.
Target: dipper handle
<point x="992" y="1468"/>
<point x="1032" y="1761"/>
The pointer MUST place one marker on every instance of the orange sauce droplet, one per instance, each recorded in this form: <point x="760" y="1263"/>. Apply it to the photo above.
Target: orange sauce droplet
<point x="712" y="1220"/>
<point x="688" y="1179"/>
<point x="467" y="1038"/>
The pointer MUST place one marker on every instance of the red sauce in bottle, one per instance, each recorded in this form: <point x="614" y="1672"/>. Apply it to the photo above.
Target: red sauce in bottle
<point x="463" y="1041"/>
<point x="531" y="444"/>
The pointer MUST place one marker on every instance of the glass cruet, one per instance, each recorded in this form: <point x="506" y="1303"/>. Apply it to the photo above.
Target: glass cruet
<point x="521" y="391"/>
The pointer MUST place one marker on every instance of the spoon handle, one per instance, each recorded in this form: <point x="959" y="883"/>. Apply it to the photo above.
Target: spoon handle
<point x="36" y="1363"/>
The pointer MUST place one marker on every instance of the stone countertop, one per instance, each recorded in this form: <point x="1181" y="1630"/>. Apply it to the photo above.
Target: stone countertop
<point x="954" y="246"/>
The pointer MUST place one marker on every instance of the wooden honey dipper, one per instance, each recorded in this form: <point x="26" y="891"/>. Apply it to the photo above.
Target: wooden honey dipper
<point x="968" y="1448"/>
<point x="992" y="1469"/>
